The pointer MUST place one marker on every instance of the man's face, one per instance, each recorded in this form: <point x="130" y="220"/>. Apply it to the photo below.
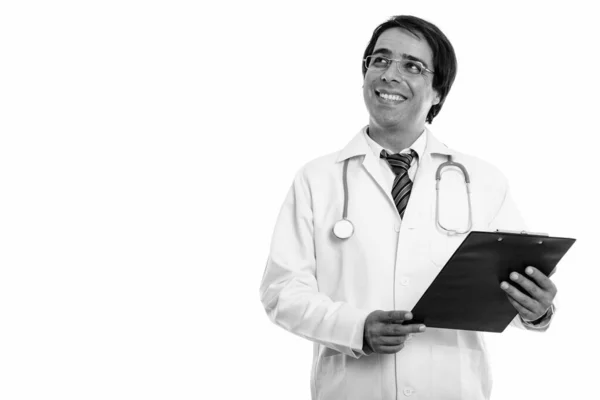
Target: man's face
<point x="412" y="95"/>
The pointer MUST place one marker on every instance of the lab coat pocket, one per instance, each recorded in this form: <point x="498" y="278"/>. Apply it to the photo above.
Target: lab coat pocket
<point x="330" y="361"/>
<point x="460" y="373"/>
<point x="442" y="246"/>
<point x="329" y="375"/>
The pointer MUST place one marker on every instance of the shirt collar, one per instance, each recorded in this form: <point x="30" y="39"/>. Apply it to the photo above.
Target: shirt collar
<point x="418" y="146"/>
<point x="359" y="145"/>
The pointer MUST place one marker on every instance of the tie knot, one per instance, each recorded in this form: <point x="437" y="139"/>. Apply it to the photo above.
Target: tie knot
<point x="399" y="162"/>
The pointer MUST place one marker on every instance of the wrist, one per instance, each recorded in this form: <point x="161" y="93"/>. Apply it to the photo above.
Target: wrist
<point x="367" y="349"/>
<point x="541" y="319"/>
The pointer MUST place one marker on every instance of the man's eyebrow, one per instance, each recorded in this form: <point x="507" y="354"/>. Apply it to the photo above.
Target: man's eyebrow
<point x="388" y="52"/>
<point x="384" y="51"/>
<point x="413" y="58"/>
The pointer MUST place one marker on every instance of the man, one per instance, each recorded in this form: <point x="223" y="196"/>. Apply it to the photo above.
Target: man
<point x="348" y="293"/>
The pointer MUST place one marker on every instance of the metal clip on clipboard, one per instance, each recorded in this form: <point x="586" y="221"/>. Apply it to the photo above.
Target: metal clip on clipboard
<point x="523" y="233"/>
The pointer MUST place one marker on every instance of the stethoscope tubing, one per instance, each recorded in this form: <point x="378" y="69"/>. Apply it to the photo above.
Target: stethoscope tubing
<point x="345" y="177"/>
<point x="438" y="178"/>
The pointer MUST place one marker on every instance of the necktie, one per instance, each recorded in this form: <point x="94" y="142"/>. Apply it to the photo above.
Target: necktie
<point x="400" y="164"/>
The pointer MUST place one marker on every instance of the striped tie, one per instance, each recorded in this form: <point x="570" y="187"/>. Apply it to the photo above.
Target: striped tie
<point x="400" y="164"/>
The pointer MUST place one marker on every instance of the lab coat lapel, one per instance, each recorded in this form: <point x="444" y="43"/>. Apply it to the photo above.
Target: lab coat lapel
<point x="422" y="197"/>
<point x="359" y="146"/>
<point x="373" y="167"/>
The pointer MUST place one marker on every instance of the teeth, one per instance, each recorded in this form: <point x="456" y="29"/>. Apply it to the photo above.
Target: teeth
<point x="391" y="96"/>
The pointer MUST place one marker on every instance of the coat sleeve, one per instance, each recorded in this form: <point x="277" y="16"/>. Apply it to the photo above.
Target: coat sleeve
<point x="509" y="218"/>
<point x="289" y="289"/>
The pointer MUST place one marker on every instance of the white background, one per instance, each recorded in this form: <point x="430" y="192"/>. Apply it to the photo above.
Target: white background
<point x="147" y="146"/>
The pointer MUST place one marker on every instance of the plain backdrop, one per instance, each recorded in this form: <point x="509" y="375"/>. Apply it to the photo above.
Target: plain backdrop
<point x="146" y="148"/>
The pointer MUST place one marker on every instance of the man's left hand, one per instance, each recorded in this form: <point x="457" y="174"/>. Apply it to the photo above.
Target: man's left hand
<point x="541" y="292"/>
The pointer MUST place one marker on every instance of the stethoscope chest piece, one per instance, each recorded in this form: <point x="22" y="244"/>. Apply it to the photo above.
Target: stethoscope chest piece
<point x="343" y="229"/>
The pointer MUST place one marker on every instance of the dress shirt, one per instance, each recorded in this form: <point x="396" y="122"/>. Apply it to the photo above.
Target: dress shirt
<point x="418" y="146"/>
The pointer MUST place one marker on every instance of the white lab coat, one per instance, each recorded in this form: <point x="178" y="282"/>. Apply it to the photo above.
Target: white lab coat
<point x="322" y="288"/>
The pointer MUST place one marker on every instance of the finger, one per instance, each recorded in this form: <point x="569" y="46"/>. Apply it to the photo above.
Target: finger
<point x="396" y="315"/>
<point x="390" y="349"/>
<point x="391" y="340"/>
<point x="397" y="329"/>
<point x="523" y="312"/>
<point x="542" y="280"/>
<point x="527" y="302"/>
<point x="534" y="290"/>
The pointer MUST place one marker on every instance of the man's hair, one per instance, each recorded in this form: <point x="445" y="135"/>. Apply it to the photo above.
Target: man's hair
<point x="444" y="58"/>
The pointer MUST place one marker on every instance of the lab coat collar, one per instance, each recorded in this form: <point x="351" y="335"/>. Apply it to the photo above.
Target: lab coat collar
<point x="358" y="146"/>
<point x="434" y="146"/>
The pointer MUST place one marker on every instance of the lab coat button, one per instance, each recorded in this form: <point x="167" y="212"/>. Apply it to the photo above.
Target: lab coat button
<point x="404" y="281"/>
<point x="397" y="227"/>
<point x="408" y="391"/>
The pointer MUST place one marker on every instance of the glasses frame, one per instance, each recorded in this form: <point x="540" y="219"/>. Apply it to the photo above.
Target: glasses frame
<point x="425" y="69"/>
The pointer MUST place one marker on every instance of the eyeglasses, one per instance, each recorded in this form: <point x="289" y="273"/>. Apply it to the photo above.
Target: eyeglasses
<point x="408" y="67"/>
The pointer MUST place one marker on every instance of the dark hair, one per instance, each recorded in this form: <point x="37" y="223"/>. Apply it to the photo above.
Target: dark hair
<point x="444" y="58"/>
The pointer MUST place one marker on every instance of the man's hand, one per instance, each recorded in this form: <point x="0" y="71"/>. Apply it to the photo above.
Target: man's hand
<point x="384" y="332"/>
<point x="541" y="292"/>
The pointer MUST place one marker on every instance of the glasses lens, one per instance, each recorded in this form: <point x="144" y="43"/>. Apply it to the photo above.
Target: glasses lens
<point x="377" y="62"/>
<point x="369" y="62"/>
<point x="412" y="67"/>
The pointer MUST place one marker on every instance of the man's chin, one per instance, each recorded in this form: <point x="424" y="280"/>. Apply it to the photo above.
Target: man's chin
<point x="390" y="122"/>
<point x="395" y="124"/>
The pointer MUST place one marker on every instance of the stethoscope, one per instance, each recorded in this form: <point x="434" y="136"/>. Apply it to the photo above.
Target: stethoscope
<point x="344" y="229"/>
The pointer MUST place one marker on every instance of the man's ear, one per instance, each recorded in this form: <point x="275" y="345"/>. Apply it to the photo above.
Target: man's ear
<point x="436" y="98"/>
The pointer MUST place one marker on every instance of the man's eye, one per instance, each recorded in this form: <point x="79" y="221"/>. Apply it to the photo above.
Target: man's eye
<point x="380" y="61"/>
<point x="413" y="67"/>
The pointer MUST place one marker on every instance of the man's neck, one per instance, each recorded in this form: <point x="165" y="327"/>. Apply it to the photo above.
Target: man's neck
<point x="395" y="140"/>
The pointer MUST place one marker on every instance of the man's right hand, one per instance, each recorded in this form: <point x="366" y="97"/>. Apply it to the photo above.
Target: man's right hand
<point x="384" y="332"/>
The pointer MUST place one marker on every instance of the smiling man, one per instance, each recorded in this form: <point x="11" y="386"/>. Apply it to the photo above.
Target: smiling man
<point x="357" y="241"/>
<point x="399" y="99"/>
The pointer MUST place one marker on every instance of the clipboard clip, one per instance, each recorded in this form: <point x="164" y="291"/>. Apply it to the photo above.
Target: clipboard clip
<point x="523" y="233"/>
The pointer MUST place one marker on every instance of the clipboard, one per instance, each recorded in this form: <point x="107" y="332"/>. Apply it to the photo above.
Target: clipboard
<point x="466" y="293"/>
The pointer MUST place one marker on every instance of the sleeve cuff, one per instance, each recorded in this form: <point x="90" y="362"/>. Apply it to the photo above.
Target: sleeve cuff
<point x="542" y="322"/>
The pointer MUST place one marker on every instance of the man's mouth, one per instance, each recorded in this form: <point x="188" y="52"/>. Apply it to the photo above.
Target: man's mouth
<point x="390" y="96"/>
